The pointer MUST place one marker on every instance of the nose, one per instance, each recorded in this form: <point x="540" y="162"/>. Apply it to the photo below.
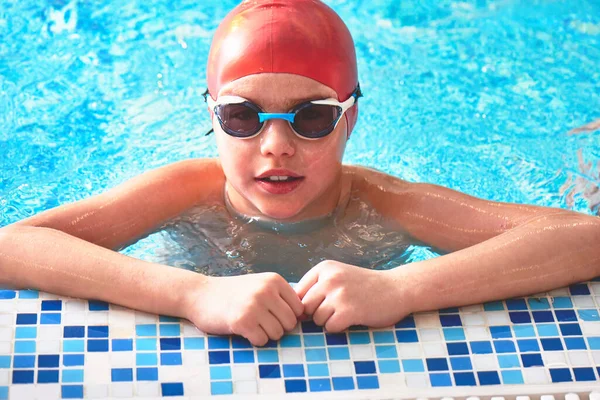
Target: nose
<point x="277" y="139"/>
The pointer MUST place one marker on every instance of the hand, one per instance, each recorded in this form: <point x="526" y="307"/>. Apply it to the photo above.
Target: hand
<point x="258" y="307"/>
<point x="338" y="295"/>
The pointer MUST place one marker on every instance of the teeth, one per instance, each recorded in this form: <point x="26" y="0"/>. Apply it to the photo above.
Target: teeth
<point x="278" y="178"/>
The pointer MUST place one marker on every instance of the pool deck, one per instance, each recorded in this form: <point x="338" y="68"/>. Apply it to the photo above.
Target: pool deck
<point x="61" y="348"/>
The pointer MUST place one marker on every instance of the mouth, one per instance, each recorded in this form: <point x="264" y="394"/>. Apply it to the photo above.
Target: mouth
<point x="279" y="182"/>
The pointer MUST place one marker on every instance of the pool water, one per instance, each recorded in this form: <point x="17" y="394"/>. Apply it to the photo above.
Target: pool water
<point x="477" y="95"/>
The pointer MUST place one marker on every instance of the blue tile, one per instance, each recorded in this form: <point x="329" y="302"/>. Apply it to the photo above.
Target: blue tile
<point x="566" y="315"/>
<point x="457" y="349"/>
<point x="146" y="374"/>
<point x="194" y="343"/>
<point x="525" y="330"/>
<point x="440" y="380"/>
<point x="29" y="294"/>
<point x="461" y="363"/>
<point x="481" y="347"/>
<point x="319" y="385"/>
<point x="407" y="336"/>
<point x="50" y="319"/>
<point x="295" y="386"/>
<point x="575" y="343"/>
<point x="166" y="318"/>
<point x="504" y="346"/>
<point x="512" y="377"/>
<point x="588" y="315"/>
<point x="488" y="378"/>
<point x="501" y="332"/>
<point x="122" y="345"/>
<point x="48" y="361"/>
<point x="290" y="341"/>
<point x="334" y="339"/>
<point x="454" y="334"/>
<point x="72" y="391"/>
<point x="519" y="317"/>
<point x="310" y="327"/>
<point x="73" y="346"/>
<point x="316" y="354"/>
<point x="145" y="330"/>
<point x="547" y="330"/>
<point x="73" y="332"/>
<point x="381" y="337"/>
<point x="97" y="345"/>
<point x="580" y="289"/>
<point x="268" y="356"/>
<point x="413" y="365"/>
<point x="538" y="304"/>
<point x="450" y="320"/>
<point x="146" y="359"/>
<point x="172" y="389"/>
<point x="5" y="361"/>
<point x="26" y="332"/>
<point x="494" y="306"/>
<point x="22" y="362"/>
<point x="95" y="305"/>
<point x="51" y="305"/>
<point x="222" y="372"/>
<point x="437" y="364"/>
<point x="25" y="346"/>
<point x="532" y="360"/>
<point x="364" y="367"/>
<point x="386" y="352"/>
<point x="170" y="329"/>
<point x="551" y="344"/>
<point x="314" y="340"/>
<point x="508" y="361"/>
<point x="570" y="330"/>
<point x="218" y="388"/>
<point x="238" y="342"/>
<point x="526" y="345"/>
<point x="170" y="358"/>
<point x="7" y="294"/>
<point x="72" y="376"/>
<point x="516" y="304"/>
<point x="47" y="376"/>
<point x="542" y="316"/>
<point x="293" y="370"/>
<point x="408" y="322"/>
<point x="367" y="382"/>
<point x="594" y="343"/>
<point x="145" y="344"/>
<point x="560" y="375"/>
<point x="388" y="366"/>
<point x="562" y="302"/>
<point x="218" y="357"/>
<point x="269" y="371"/>
<point x="360" y="338"/>
<point x="584" y="374"/>
<point x="24" y="376"/>
<point x="343" y="383"/>
<point x="337" y="353"/>
<point x="26" y="319"/>
<point x="243" y="356"/>
<point x="271" y="344"/>
<point x="358" y="328"/>
<point x="218" y="342"/>
<point x="465" y="379"/>
<point x="121" y="375"/>
<point x="169" y="344"/>
<point x="317" y="369"/>
<point x="73" y="360"/>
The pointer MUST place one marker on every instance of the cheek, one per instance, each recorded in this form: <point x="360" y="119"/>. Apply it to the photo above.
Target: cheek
<point x="233" y="155"/>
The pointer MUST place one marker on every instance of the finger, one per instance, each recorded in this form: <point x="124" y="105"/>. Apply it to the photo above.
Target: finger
<point x="322" y="314"/>
<point x="271" y="326"/>
<point x="337" y="323"/>
<point x="257" y="336"/>
<point x="312" y="300"/>
<point x="307" y="281"/>
<point x="284" y="313"/>
<point x="288" y="295"/>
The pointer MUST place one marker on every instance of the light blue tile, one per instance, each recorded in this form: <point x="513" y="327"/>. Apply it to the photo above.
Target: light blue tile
<point x="562" y="302"/>
<point x="72" y="376"/>
<point x="74" y="346"/>
<point x="380" y="337"/>
<point x="508" y="361"/>
<point x="314" y="340"/>
<point x="170" y="329"/>
<point x="220" y="372"/>
<point x="388" y="366"/>
<point x="267" y="356"/>
<point x="360" y="338"/>
<point x="318" y="370"/>
<point x="25" y="346"/>
<point x="145" y="330"/>
<point x="524" y="330"/>
<point x="26" y="332"/>
<point x="540" y="303"/>
<point x="545" y="330"/>
<point x="5" y="361"/>
<point x="415" y="365"/>
<point x="454" y="334"/>
<point x="290" y="341"/>
<point x="317" y="354"/>
<point x="145" y="344"/>
<point x="494" y="306"/>
<point x="145" y="359"/>
<point x="588" y="315"/>
<point x="338" y="353"/>
<point x="193" y="343"/>
<point x="29" y="294"/>
<point x="512" y="377"/>
<point x="594" y="342"/>
<point x="222" y="387"/>
<point x="386" y="351"/>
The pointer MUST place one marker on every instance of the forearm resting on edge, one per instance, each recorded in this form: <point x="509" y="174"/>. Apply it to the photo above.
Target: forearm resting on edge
<point x="55" y="262"/>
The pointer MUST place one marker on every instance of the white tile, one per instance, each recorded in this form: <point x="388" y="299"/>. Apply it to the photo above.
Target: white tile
<point x="535" y="375"/>
<point x="122" y="359"/>
<point x="579" y="359"/>
<point x="289" y="355"/>
<point x="97" y="368"/>
<point x="477" y="333"/>
<point x="473" y="308"/>
<point x="594" y="287"/>
<point x="596" y="356"/>
<point x="50" y="332"/>
<point x="428" y="320"/>
<point x="583" y="302"/>
<point x="193" y="359"/>
<point x="409" y="350"/>
<point x="497" y="317"/>
<point x="554" y="359"/>
<point x="473" y="319"/>
<point x="243" y="372"/>
<point x="271" y="386"/>
<point x="121" y="317"/>
<point x="122" y="390"/>
<point x="484" y="362"/>
<point x="73" y="318"/>
<point x="190" y="330"/>
<point x="416" y="380"/>
<point x="122" y="331"/>
<point x="362" y="352"/>
<point x="4" y="377"/>
<point x="561" y="292"/>
<point x="48" y="346"/>
<point x="28" y="306"/>
<point x="245" y="387"/>
<point x="22" y="392"/>
<point x="48" y="391"/>
<point x="7" y="306"/>
<point x="7" y="319"/>
<point x="142" y="318"/>
<point x="341" y="368"/>
<point x="5" y="347"/>
<point x="430" y="335"/>
<point x="97" y="318"/>
<point x="96" y="391"/>
<point x="6" y="334"/>
<point x="75" y="306"/>
<point x="435" y="349"/>
<point x="174" y="373"/>
<point x="199" y="387"/>
<point x="148" y="389"/>
<point x="392" y="381"/>
<point x="590" y="328"/>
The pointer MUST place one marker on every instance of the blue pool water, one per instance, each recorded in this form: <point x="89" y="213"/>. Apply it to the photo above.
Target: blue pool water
<point x="477" y="95"/>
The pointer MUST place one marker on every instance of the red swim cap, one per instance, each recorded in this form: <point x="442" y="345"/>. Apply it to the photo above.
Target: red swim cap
<point x="302" y="37"/>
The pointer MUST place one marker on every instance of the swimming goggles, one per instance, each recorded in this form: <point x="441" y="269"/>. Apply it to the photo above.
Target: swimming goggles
<point x="314" y="119"/>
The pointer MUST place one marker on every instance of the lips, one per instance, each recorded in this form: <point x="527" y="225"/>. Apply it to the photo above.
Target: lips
<point x="279" y="181"/>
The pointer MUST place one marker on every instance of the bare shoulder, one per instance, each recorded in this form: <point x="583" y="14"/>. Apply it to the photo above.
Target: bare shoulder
<point x="369" y="183"/>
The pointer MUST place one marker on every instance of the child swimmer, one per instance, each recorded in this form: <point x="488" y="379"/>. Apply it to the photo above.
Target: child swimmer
<point x="282" y="93"/>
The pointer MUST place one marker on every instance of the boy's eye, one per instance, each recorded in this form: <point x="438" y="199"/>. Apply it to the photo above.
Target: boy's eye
<point x="242" y="113"/>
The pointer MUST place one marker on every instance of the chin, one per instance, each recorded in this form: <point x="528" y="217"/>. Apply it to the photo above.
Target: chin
<point x="280" y="213"/>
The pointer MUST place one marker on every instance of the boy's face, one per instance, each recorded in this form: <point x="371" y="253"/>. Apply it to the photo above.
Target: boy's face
<point x="246" y="162"/>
